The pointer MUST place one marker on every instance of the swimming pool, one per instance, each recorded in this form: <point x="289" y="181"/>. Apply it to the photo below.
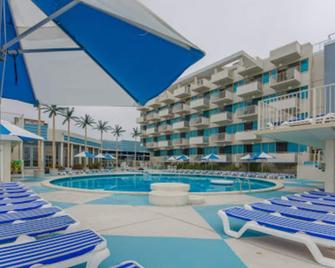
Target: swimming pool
<point x="141" y="183"/>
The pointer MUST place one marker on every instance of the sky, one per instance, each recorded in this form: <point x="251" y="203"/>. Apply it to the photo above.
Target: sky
<point x="220" y="28"/>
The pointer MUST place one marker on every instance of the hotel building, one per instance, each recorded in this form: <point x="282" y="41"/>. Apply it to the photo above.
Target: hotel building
<point x="215" y="110"/>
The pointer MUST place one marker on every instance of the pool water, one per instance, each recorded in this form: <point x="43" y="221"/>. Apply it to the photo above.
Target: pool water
<point x="141" y="183"/>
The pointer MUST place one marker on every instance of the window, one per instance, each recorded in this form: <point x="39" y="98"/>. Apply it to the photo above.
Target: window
<point x="248" y="126"/>
<point x="304" y="65"/>
<point x="248" y="148"/>
<point x="281" y="147"/>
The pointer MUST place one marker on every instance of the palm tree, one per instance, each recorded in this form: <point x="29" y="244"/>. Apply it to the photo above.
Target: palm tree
<point x="103" y="127"/>
<point x="68" y="117"/>
<point x="84" y="122"/>
<point x="135" y="134"/>
<point x="53" y="111"/>
<point x="117" y="131"/>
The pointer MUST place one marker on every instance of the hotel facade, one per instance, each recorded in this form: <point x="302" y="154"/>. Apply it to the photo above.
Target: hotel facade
<point x="215" y="110"/>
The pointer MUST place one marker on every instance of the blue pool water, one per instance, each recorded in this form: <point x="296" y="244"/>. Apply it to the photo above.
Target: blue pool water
<point x="141" y="183"/>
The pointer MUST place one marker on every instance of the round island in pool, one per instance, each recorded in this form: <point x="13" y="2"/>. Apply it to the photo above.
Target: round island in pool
<point x="140" y="183"/>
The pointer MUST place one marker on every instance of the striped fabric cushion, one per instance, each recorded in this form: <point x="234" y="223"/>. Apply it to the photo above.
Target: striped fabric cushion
<point x="50" y="250"/>
<point x="314" y="196"/>
<point x="311" y="200"/>
<point x="303" y="206"/>
<point x="20" y="207"/>
<point x="21" y="200"/>
<point x="28" y="214"/>
<point x="10" y="232"/>
<point x="13" y="190"/>
<point x="322" y="193"/>
<point x="295" y="213"/>
<point x="15" y="195"/>
<point x="282" y="223"/>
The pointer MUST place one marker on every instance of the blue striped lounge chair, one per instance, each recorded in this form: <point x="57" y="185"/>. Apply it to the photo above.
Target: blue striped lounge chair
<point x="15" y="195"/>
<point x="22" y="200"/>
<point x="59" y="251"/>
<point x="310" y="234"/>
<point x="24" y="206"/>
<point x="302" y="205"/>
<point x="314" y="201"/>
<point x="293" y="213"/>
<point x="29" y="214"/>
<point x="321" y="193"/>
<point x="315" y="196"/>
<point x="128" y="264"/>
<point x="11" y="232"/>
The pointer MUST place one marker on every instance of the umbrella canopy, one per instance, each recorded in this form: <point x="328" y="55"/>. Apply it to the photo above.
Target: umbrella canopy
<point x="126" y="54"/>
<point x="109" y="157"/>
<point x="9" y="129"/>
<point x="182" y="158"/>
<point x="84" y="155"/>
<point x="171" y="159"/>
<point x="211" y="157"/>
<point x="100" y="156"/>
<point x="264" y="156"/>
<point x="247" y="157"/>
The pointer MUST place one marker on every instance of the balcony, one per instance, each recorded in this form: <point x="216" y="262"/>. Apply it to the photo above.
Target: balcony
<point x="224" y="76"/>
<point x="250" y="89"/>
<point x="247" y="112"/>
<point x="165" y="128"/>
<point x="199" y="104"/>
<point x="151" y="145"/>
<point x="286" y="54"/>
<point x="154" y="103"/>
<point x="153" y="117"/>
<point x="285" y="80"/>
<point x="222" y="118"/>
<point x="166" y="98"/>
<point x="181" y="108"/>
<point x="245" y="136"/>
<point x="202" y="85"/>
<point x="182" y="92"/>
<point x="164" y="144"/>
<point x="140" y="120"/>
<point x="180" y="142"/>
<point x="224" y="97"/>
<point x="152" y="131"/>
<point x="182" y="125"/>
<point x="199" y="122"/>
<point x="165" y="113"/>
<point x="251" y="70"/>
<point x="221" y="138"/>
<point x="143" y="108"/>
<point x="200" y="140"/>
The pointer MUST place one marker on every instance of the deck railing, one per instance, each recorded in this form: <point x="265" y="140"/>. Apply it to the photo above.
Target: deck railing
<point x="310" y="106"/>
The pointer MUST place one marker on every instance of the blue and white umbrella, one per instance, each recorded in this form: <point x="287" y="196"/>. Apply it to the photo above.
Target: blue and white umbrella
<point x="172" y="159"/>
<point x="264" y="156"/>
<point x="99" y="156"/>
<point x="10" y="130"/>
<point x="109" y="157"/>
<point x="89" y="52"/>
<point x="182" y="158"/>
<point x="84" y="155"/>
<point x="211" y="158"/>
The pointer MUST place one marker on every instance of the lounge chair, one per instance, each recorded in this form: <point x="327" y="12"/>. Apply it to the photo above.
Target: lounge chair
<point x="321" y="193"/>
<point x="308" y="233"/>
<point x="310" y="195"/>
<point x="15" y="195"/>
<point x="22" y="200"/>
<point x="29" y="214"/>
<point x="65" y="250"/>
<point x="310" y="200"/>
<point x="302" y="205"/>
<point x="11" y="232"/>
<point x="25" y="206"/>
<point x="13" y="190"/>
<point x="293" y="213"/>
<point x="128" y="264"/>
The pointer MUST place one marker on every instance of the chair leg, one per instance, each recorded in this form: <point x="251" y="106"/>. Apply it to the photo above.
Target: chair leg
<point x="97" y="258"/>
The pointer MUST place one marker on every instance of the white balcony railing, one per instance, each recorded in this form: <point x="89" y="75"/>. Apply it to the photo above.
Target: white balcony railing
<point x="287" y="79"/>
<point x="200" y="140"/>
<point x="199" y="122"/>
<point x="247" y="112"/>
<point x="199" y="103"/>
<point x="182" y="125"/>
<point x="221" y="118"/>
<point x="165" y="128"/>
<point x="250" y="89"/>
<point x="221" y="138"/>
<point x="312" y="106"/>
<point x="180" y="142"/>
<point x="181" y="108"/>
<point x="225" y="96"/>
<point x="182" y="92"/>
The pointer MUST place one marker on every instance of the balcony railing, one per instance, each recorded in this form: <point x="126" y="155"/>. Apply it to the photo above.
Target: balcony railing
<point x="287" y="79"/>
<point x="247" y="112"/>
<point x="152" y="116"/>
<point x="165" y="113"/>
<point x="200" y="140"/>
<point x="165" y="128"/>
<point x="181" y="108"/>
<point x="312" y="106"/>
<point x="182" y="92"/>
<point x="199" y="121"/>
<point x="221" y="138"/>
<point x="223" y="97"/>
<point x="222" y="77"/>
<point x="221" y="118"/>
<point x="201" y="85"/>
<point x="180" y="142"/>
<point x="250" y="89"/>
<point x="199" y="103"/>
<point x="182" y="125"/>
<point x="151" y="145"/>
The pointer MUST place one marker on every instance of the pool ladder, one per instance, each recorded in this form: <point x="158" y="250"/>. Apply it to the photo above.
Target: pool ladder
<point x="243" y="180"/>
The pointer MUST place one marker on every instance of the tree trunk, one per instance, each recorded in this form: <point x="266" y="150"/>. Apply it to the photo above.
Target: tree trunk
<point x="85" y="159"/>
<point x="39" y="142"/>
<point x="53" y="141"/>
<point x="117" y="151"/>
<point x="101" y="136"/>
<point x="68" y="143"/>
<point x="135" y="160"/>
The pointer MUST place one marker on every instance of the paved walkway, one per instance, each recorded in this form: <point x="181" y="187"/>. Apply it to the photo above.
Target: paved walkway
<point x="190" y="236"/>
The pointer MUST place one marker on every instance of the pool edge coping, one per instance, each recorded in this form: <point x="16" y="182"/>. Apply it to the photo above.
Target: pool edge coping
<point x="47" y="183"/>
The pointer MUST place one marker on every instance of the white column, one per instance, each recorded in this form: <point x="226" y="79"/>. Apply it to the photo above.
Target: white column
<point x="71" y="155"/>
<point x="330" y="166"/>
<point x="5" y="161"/>
<point x="61" y="154"/>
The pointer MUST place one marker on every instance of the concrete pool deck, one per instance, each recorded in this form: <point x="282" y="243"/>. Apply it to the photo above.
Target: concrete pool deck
<point x="172" y="237"/>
